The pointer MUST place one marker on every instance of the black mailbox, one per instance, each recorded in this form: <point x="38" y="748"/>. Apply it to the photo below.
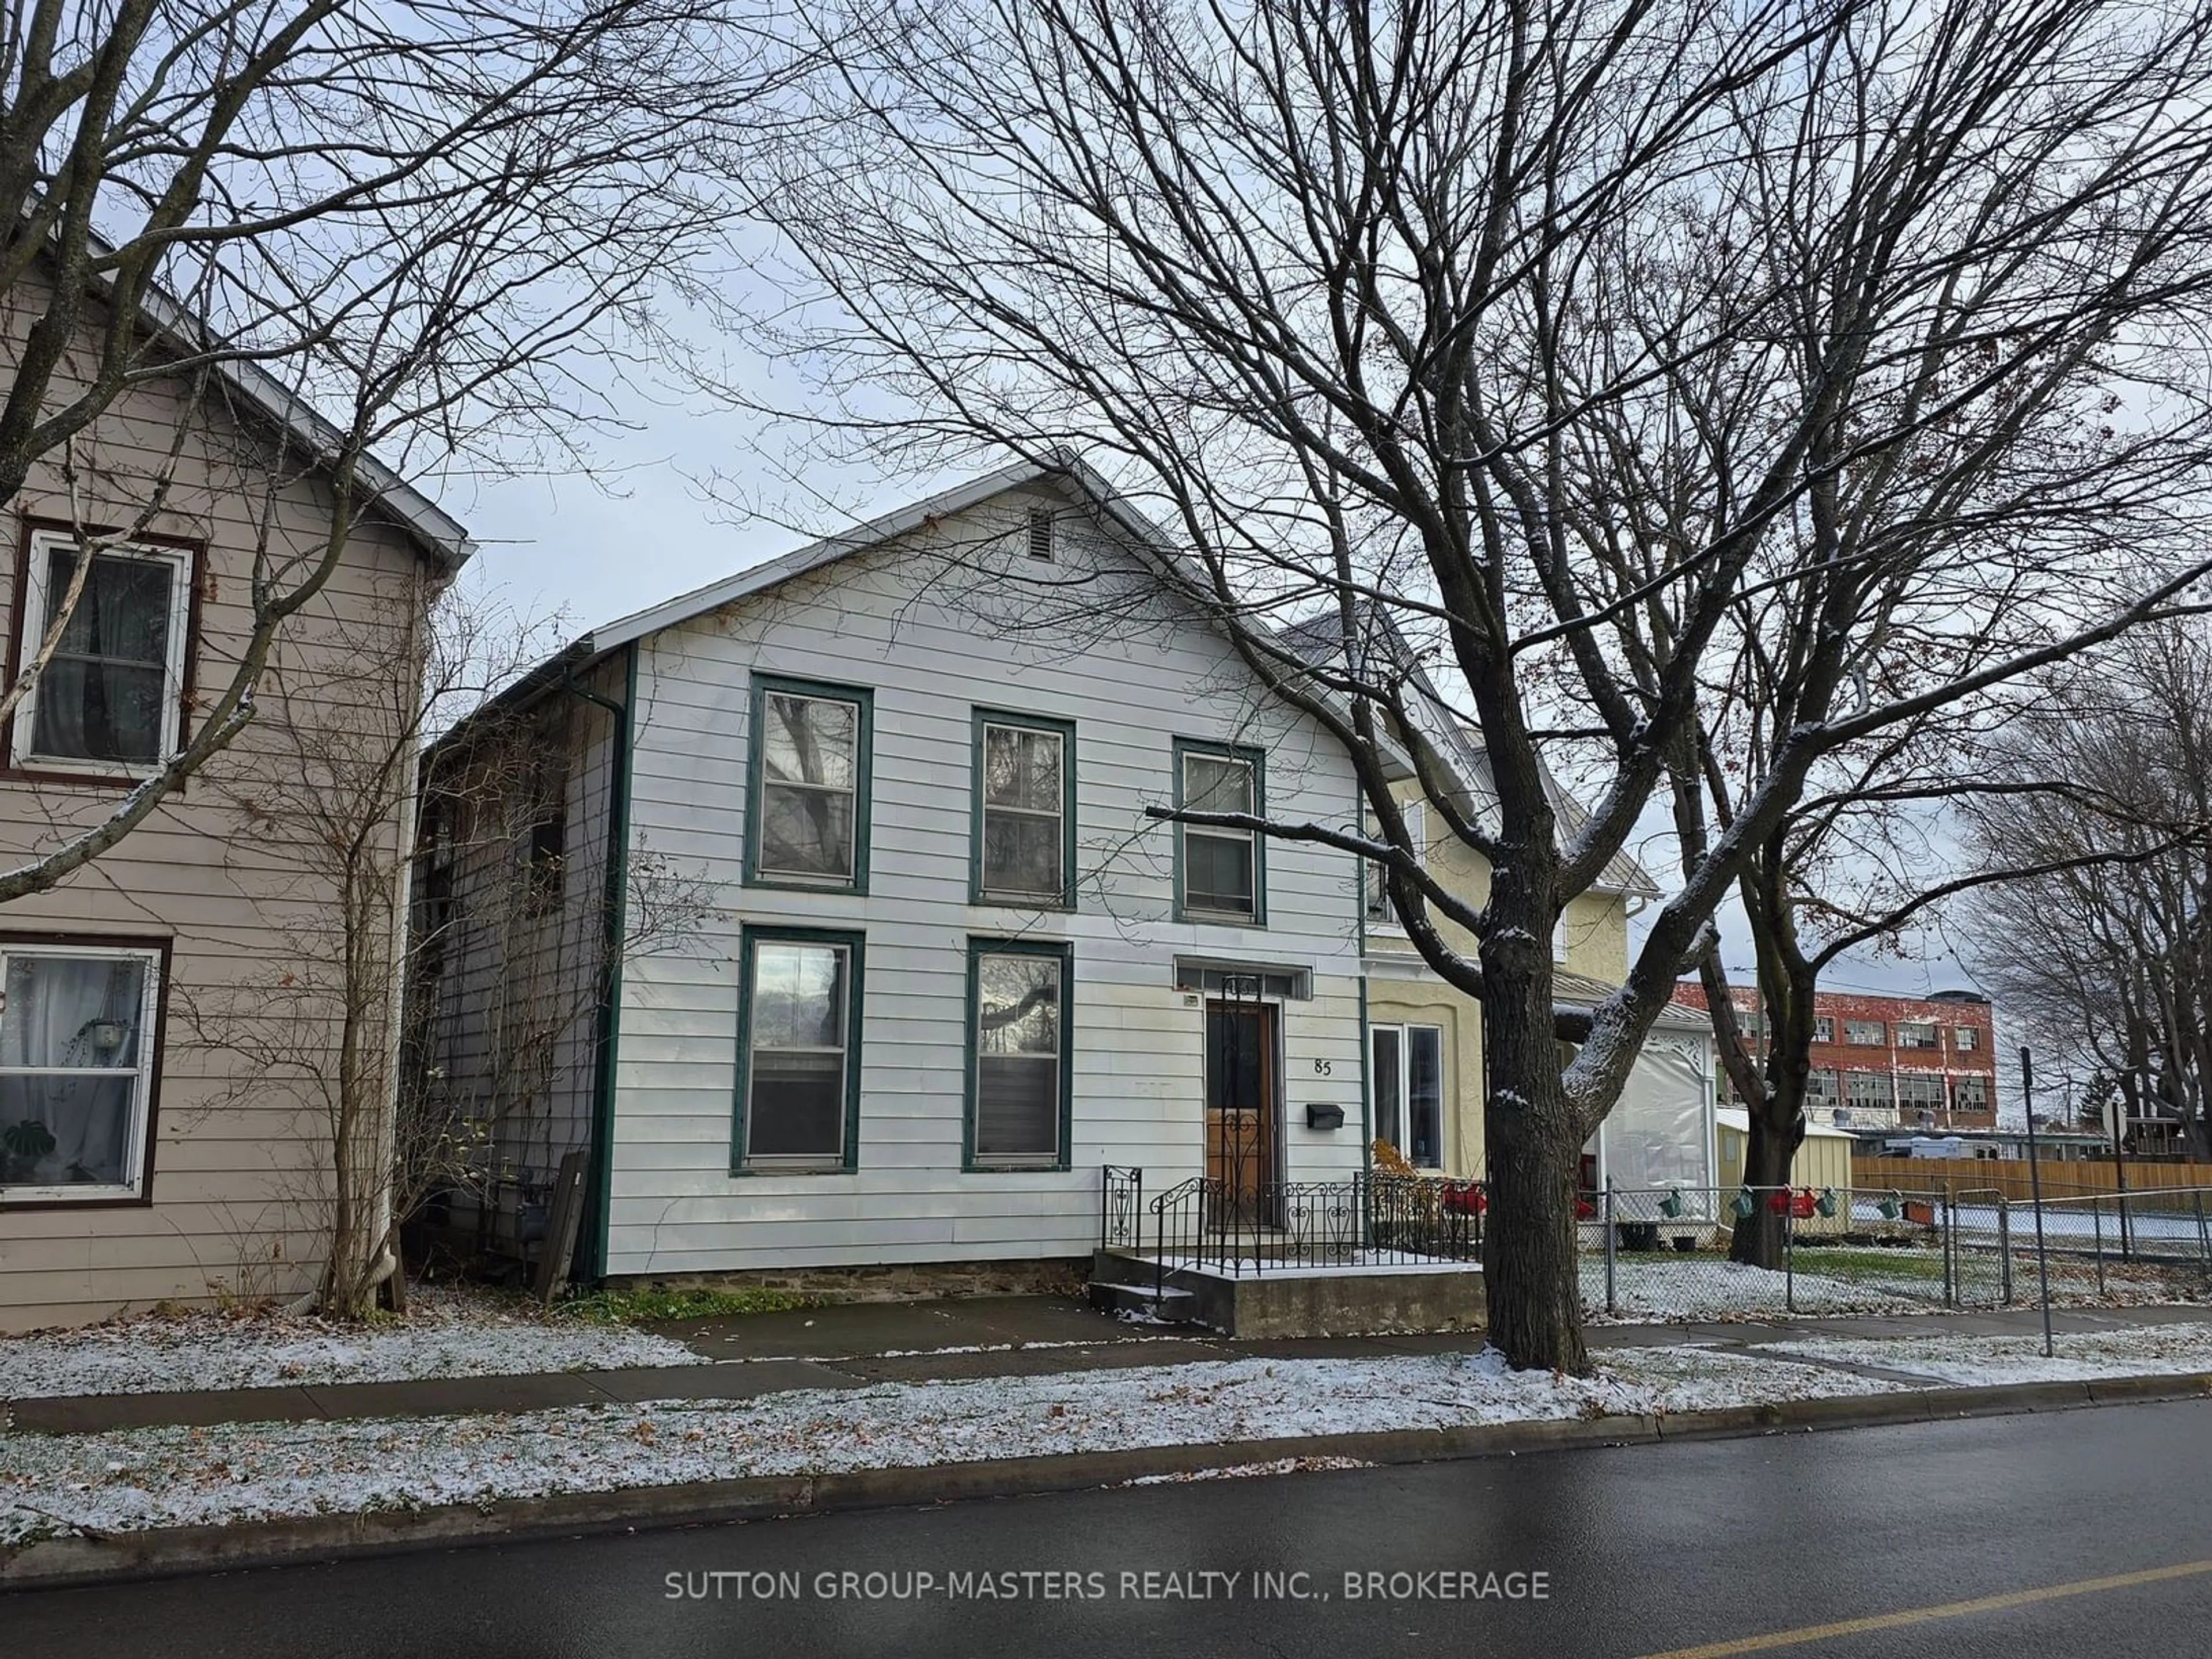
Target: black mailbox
<point x="1324" y="1117"/>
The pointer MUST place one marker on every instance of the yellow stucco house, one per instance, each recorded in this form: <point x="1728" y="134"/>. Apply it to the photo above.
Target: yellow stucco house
<point x="1424" y="1037"/>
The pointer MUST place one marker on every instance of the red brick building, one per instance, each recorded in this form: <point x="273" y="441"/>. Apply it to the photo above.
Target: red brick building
<point x="1891" y="1062"/>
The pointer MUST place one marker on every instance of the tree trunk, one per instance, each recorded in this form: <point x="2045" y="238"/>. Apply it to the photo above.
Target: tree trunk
<point x="1772" y="1149"/>
<point x="1530" y="1272"/>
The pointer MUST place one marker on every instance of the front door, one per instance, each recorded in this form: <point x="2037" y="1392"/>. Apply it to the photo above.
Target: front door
<point x="1240" y="1110"/>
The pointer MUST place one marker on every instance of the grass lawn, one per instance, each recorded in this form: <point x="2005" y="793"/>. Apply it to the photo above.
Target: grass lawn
<point x="1844" y="1262"/>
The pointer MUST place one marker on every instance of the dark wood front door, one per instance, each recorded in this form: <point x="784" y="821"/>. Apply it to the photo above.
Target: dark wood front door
<point x="1240" y="1110"/>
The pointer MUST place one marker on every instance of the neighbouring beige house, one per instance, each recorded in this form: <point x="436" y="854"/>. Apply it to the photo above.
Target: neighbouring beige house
<point x="168" y="1027"/>
<point x="1424" y="1036"/>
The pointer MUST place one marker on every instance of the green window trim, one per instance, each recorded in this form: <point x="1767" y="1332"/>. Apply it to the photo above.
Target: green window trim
<point x="980" y="720"/>
<point x="855" y="945"/>
<point x="978" y="948"/>
<point x="864" y="699"/>
<point x="1257" y="760"/>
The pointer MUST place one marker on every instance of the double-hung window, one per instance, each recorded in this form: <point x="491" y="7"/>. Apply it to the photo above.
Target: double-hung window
<point x="1221" y="872"/>
<point x="1018" y="1032"/>
<point x="799" y="1065"/>
<point x="1024" y="811"/>
<point x="111" y="698"/>
<point x="77" y="1049"/>
<point x="811" y="750"/>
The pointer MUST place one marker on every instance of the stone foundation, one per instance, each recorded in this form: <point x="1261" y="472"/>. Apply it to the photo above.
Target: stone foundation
<point x="893" y="1282"/>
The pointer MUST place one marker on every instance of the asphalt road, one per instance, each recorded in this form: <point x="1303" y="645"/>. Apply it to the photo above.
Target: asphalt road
<point x="1646" y="1550"/>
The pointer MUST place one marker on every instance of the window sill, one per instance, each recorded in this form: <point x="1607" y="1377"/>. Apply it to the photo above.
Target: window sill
<point x="38" y="768"/>
<point x="986" y="900"/>
<point x="69" y="1198"/>
<point x="1202" y="917"/>
<point x="749" y="1171"/>
<point x="1002" y="1166"/>
<point x="796" y="885"/>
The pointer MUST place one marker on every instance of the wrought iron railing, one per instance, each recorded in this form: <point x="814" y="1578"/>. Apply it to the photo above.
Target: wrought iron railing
<point x="1358" y="1220"/>
<point x="1120" y="1208"/>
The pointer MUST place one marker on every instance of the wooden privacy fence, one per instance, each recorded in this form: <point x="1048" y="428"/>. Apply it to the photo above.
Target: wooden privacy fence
<point x="2061" y="1178"/>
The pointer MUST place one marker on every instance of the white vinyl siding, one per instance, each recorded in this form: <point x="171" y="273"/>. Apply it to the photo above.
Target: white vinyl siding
<point x="935" y="643"/>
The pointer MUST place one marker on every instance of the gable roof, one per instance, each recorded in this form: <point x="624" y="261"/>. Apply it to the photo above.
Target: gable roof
<point x="1065" y="472"/>
<point x="434" y="533"/>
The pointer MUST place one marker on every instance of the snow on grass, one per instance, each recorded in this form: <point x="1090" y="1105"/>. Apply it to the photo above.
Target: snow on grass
<point x="1972" y="1361"/>
<point x="444" y="1336"/>
<point x="1658" y="1289"/>
<point x="127" y="1479"/>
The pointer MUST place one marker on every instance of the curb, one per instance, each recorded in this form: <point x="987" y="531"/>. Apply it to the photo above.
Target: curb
<point x="170" y="1552"/>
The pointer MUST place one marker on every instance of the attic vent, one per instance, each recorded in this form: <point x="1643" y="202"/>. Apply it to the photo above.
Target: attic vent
<point x="1040" y="533"/>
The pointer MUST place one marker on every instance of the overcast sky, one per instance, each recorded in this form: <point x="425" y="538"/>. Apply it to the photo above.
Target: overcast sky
<point x="689" y="493"/>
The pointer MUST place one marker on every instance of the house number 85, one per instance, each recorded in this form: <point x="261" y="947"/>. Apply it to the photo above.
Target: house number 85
<point x="1321" y="1069"/>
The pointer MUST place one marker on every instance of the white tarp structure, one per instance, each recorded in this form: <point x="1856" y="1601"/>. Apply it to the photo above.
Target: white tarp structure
<point x="1660" y="1134"/>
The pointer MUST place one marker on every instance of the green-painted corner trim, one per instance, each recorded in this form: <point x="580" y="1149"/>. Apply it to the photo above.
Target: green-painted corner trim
<point x="1065" y="954"/>
<point x="864" y="781"/>
<point x="1257" y="759"/>
<point x="856" y="944"/>
<point x="1366" y="1087"/>
<point x="1065" y="730"/>
<point x="614" y="905"/>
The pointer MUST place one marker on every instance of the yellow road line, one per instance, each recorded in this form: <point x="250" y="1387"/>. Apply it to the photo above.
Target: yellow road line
<point x="1789" y="1639"/>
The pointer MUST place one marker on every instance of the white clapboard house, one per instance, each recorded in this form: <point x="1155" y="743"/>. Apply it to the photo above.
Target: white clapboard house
<point x="940" y="968"/>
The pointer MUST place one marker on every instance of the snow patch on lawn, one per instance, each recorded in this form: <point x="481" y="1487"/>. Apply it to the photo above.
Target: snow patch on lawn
<point x="1977" y="1361"/>
<point x="127" y="1479"/>
<point x="456" y="1337"/>
<point x="1708" y="1287"/>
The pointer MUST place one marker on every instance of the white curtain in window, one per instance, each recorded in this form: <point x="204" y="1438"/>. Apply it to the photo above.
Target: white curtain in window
<point x="72" y="1019"/>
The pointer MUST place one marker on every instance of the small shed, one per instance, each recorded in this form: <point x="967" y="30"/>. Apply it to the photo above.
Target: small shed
<point x="1824" y="1160"/>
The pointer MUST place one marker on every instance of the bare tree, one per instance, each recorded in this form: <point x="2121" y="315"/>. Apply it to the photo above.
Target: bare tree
<point x="353" y="975"/>
<point x="1420" y="314"/>
<point x="428" y="233"/>
<point x="2104" y="950"/>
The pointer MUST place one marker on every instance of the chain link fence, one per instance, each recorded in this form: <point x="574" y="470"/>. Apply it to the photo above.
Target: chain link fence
<point x="1660" y="1254"/>
<point x="2151" y="1246"/>
<point x="1651" y="1254"/>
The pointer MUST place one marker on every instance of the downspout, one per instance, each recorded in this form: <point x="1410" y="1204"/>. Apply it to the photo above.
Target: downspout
<point x="591" y="1244"/>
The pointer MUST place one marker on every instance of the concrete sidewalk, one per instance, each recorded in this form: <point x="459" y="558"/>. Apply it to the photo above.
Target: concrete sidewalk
<point x="851" y="1345"/>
